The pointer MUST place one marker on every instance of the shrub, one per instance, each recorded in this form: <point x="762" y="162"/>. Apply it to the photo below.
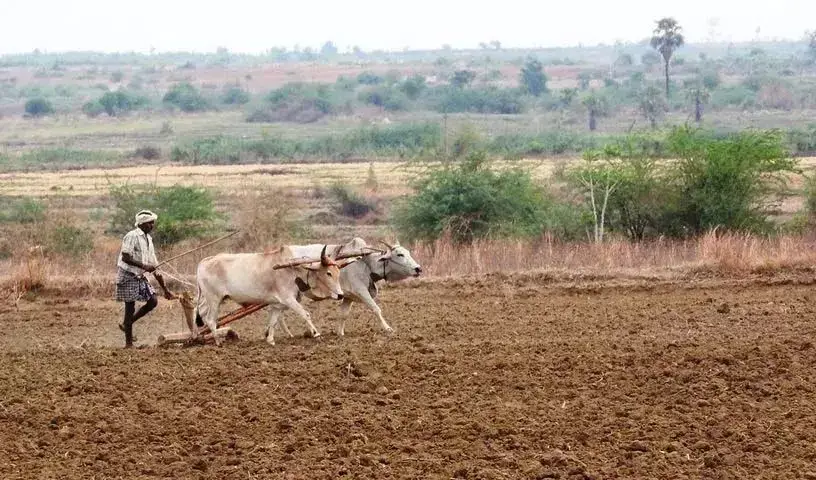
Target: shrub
<point x="413" y="86"/>
<point x="351" y="203"/>
<point x="65" y="158"/>
<point x="369" y="78"/>
<point x="234" y="95"/>
<point x="184" y="212"/>
<point x="622" y="188"/>
<point x="186" y="97"/>
<point x="532" y="77"/>
<point x="115" y="103"/>
<point x="733" y="96"/>
<point x="93" y="109"/>
<point x="300" y="102"/>
<point x="148" y="152"/>
<point x="728" y="181"/>
<point x="39" y="107"/>
<point x="72" y="241"/>
<point x="487" y="100"/>
<point x="22" y="210"/>
<point x="470" y="200"/>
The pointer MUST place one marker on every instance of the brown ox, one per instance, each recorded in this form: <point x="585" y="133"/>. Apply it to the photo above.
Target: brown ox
<point x="274" y="278"/>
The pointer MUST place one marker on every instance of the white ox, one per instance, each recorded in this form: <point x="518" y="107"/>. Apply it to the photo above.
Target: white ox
<point x="252" y="278"/>
<point x="359" y="280"/>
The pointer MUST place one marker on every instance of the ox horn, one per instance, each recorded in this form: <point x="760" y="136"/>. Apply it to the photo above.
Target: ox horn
<point x="387" y="245"/>
<point x="295" y="263"/>
<point x="323" y="259"/>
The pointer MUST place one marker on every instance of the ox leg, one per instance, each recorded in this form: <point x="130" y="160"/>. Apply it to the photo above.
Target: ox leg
<point x="274" y="317"/>
<point x="366" y="298"/>
<point x="285" y="327"/>
<point x="345" y="307"/>
<point x="209" y="314"/>
<point x="293" y="304"/>
<point x="280" y="320"/>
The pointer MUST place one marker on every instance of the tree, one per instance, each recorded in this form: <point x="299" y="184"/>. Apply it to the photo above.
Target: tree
<point x="811" y="39"/>
<point x="667" y="38"/>
<point x="598" y="179"/>
<point x="699" y="95"/>
<point x="329" y="49"/>
<point x="38" y="107"/>
<point x="532" y="77"/>
<point x="596" y="106"/>
<point x="732" y="181"/>
<point x="568" y="95"/>
<point x="413" y="86"/>
<point x="462" y="78"/>
<point x="652" y="104"/>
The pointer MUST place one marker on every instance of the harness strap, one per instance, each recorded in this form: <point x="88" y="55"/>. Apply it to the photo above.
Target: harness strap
<point x="305" y="288"/>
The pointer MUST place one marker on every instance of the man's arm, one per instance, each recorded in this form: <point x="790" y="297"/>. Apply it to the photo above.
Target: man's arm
<point x="167" y="293"/>
<point x="128" y="258"/>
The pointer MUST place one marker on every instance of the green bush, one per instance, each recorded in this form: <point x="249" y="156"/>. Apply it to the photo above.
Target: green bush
<point x="301" y="102"/>
<point x="413" y="86"/>
<point x="184" y="212"/>
<point x="39" y="107"/>
<point x="70" y="240"/>
<point x="186" y="97"/>
<point x="486" y="100"/>
<point x="532" y="77"/>
<point x="351" y="203"/>
<point x="623" y="186"/>
<point x="388" y="98"/>
<point x="727" y="181"/>
<point x="22" y="210"/>
<point x="115" y="103"/>
<point x="234" y="95"/>
<point x="369" y="78"/>
<point x="64" y="158"/>
<point x="401" y="140"/>
<point x="469" y="200"/>
<point x="734" y="96"/>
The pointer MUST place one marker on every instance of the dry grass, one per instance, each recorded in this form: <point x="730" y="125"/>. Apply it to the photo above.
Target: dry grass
<point x="728" y="254"/>
<point x="391" y="177"/>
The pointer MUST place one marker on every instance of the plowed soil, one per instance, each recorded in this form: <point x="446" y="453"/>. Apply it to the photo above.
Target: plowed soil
<point x="498" y="378"/>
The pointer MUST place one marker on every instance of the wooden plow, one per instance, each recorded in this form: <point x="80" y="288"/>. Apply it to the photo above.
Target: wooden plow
<point x="204" y="334"/>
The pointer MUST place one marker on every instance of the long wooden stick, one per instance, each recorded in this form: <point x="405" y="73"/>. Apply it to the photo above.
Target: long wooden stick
<point x="233" y="316"/>
<point x="197" y="248"/>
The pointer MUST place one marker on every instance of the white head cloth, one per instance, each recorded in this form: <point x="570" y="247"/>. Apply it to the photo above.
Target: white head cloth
<point x="145" y="216"/>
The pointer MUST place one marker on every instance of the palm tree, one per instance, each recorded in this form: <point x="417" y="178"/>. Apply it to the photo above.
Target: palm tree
<point x="667" y="38"/>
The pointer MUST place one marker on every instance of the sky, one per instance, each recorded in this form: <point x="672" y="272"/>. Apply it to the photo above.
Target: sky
<point x="254" y="26"/>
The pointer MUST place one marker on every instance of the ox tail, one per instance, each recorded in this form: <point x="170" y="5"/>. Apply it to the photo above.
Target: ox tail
<point x="198" y="321"/>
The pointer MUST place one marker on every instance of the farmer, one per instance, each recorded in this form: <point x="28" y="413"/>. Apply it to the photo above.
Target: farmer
<point x="136" y="258"/>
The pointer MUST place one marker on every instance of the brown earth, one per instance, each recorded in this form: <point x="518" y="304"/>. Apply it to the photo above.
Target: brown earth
<point x="496" y="378"/>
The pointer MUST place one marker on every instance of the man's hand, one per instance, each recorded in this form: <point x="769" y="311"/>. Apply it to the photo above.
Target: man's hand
<point x="148" y="268"/>
<point x="169" y="295"/>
